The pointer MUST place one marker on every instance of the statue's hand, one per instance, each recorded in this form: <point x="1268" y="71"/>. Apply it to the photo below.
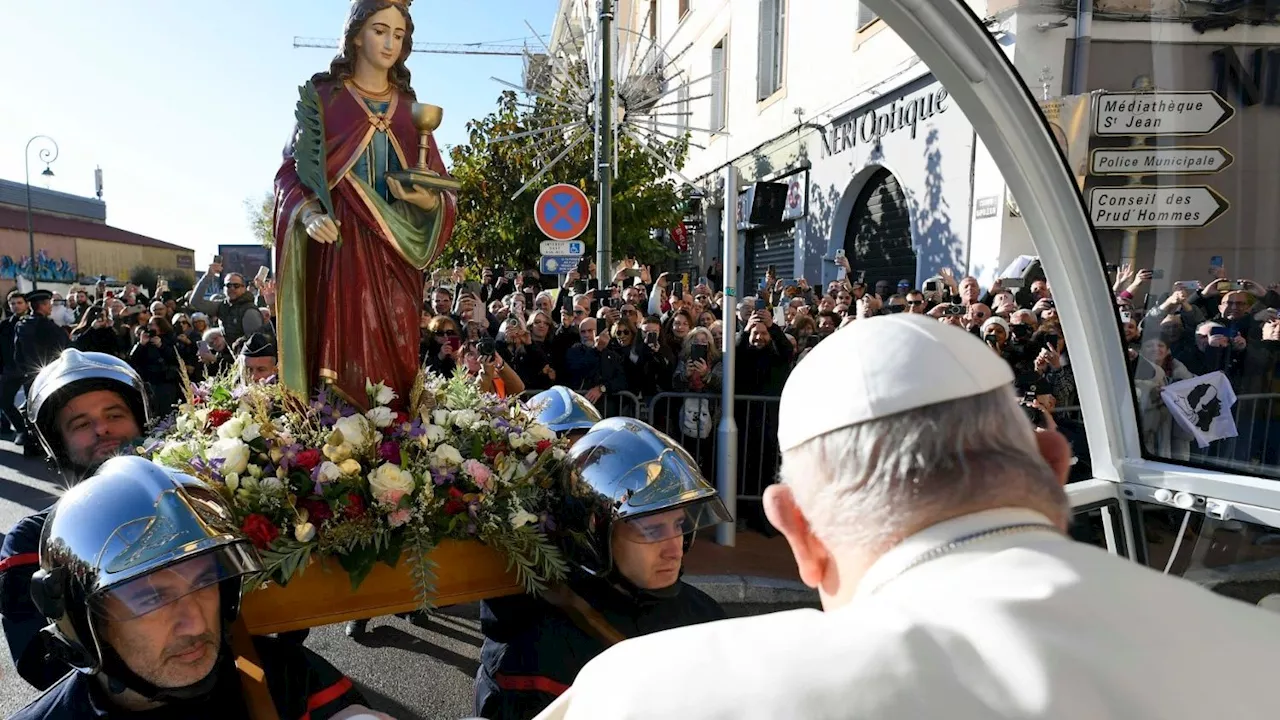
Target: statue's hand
<point x="423" y="198"/>
<point x="322" y="228"/>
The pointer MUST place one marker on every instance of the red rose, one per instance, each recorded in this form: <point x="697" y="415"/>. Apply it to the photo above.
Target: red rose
<point x="492" y="450"/>
<point x="308" y="459"/>
<point x="355" y="507"/>
<point x="260" y="530"/>
<point x="543" y="446"/>
<point x="402" y="418"/>
<point x="218" y="417"/>
<point x="317" y="510"/>
<point x="454" y="505"/>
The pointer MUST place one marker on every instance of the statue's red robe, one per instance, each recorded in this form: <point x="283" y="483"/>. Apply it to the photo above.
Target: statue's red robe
<point x="349" y="312"/>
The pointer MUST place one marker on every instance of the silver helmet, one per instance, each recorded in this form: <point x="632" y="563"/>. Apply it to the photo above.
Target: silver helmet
<point x="75" y="373"/>
<point x="626" y="470"/>
<point x="564" y="410"/>
<point x="106" y="540"/>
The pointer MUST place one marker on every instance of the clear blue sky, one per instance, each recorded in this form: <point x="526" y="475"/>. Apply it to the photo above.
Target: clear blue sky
<point x="186" y="105"/>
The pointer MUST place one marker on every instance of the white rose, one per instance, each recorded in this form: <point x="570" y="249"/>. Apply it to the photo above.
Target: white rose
<point x="202" y="417"/>
<point x="304" y="532"/>
<point x="329" y="472"/>
<point x="252" y="431"/>
<point x="440" y="417"/>
<point x="448" y="455"/>
<point x="233" y="453"/>
<point x="381" y="416"/>
<point x="522" y="517"/>
<point x="390" y="478"/>
<point x="231" y="429"/>
<point x="355" y="429"/>
<point x="541" y="432"/>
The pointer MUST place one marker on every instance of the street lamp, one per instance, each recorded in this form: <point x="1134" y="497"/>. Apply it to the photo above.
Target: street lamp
<point x="47" y="156"/>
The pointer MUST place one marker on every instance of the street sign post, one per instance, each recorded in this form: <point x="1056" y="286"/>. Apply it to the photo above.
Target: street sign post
<point x="558" y="264"/>
<point x="562" y="247"/>
<point x="1141" y="207"/>
<point x="1159" y="160"/>
<point x="562" y="212"/>
<point x="1160" y="113"/>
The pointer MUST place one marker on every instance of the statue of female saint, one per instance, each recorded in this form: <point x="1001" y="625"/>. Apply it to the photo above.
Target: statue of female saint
<point x="351" y="241"/>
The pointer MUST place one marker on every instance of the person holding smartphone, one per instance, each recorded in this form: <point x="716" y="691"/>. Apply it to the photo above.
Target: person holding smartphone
<point x="699" y="368"/>
<point x="441" y="347"/>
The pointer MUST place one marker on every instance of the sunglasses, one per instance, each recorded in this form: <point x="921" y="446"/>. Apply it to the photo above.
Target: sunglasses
<point x="448" y="333"/>
<point x="234" y="285"/>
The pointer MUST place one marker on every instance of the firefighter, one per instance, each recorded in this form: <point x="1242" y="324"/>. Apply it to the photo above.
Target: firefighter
<point x="140" y="575"/>
<point x="634" y="499"/>
<point x="83" y="408"/>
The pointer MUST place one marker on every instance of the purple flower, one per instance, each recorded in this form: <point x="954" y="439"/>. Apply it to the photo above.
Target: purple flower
<point x="239" y="391"/>
<point x="390" y="451"/>
<point x="471" y="528"/>
<point x="289" y="455"/>
<point x="546" y="523"/>
<point x="442" y="477"/>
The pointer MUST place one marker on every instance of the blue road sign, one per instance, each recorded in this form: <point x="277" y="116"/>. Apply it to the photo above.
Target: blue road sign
<point x="558" y="264"/>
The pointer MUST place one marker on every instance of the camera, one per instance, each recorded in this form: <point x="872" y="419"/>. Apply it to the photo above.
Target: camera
<point x="953" y="310"/>
<point x="486" y="348"/>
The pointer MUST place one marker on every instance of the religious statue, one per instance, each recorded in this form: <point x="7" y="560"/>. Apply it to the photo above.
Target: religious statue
<point x="356" y="224"/>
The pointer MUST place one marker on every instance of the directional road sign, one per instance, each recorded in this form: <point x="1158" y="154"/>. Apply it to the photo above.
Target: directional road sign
<point x="558" y="264"/>
<point x="1125" y="114"/>
<point x="562" y="247"/>
<point x="1137" y="207"/>
<point x="562" y="212"/>
<point x="1159" y="160"/>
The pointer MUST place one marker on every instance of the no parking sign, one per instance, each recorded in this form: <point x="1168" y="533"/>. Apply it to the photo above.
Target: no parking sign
<point x="562" y="212"/>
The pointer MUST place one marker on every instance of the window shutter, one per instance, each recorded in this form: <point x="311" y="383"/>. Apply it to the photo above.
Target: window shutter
<point x="718" y="87"/>
<point x="765" y="84"/>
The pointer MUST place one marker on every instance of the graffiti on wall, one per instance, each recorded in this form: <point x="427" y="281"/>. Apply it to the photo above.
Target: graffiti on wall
<point x="47" y="268"/>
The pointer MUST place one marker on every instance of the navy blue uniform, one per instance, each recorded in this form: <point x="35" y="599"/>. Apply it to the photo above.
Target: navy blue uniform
<point x="22" y="622"/>
<point x="532" y="651"/>
<point x="302" y="684"/>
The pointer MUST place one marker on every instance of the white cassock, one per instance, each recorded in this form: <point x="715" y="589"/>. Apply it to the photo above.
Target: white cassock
<point x="1025" y="625"/>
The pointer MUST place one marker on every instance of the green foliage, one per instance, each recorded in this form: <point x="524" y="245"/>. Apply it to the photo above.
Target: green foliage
<point x="285" y="558"/>
<point x="423" y="568"/>
<point x="144" y="276"/>
<point x="260" y="212"/>
<point x="494" y="229"/>
<point x="181" y="283"/>
<point x="535" y="558"/>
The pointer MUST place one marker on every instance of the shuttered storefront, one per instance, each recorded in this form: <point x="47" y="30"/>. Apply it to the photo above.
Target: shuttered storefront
<point x="770" y="247"/>
<point x="878" y="239"/>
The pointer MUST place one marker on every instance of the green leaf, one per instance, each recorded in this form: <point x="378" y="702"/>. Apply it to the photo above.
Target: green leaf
<point x="359" y="563"/>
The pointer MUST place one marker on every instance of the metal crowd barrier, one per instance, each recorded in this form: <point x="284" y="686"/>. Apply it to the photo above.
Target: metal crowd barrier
<point x="619" y="404"/>
<point x="694" y="418"/>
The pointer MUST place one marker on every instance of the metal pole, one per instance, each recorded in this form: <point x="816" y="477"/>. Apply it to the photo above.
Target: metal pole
<point x="1083" y="39"/>
<point x="604" y="145"/>
<point x="47" y="155"/>
<point x="727" y="463"/>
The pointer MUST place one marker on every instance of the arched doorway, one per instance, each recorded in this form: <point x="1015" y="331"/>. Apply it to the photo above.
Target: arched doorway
<point x="878" y="238"/>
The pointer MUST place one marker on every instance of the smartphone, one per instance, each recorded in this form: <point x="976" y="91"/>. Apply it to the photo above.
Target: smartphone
<point x="677" y="290"/>
<point x="703" y="281"/>
<point x="841" y="275"/>
<point x="763" y="283"/>
<point x="757" y="304"/>
<point x="931" y="285"/>
<point x="580" y="287"/>
<point x="1225" y="286"/>
<point x="790" y="283"/>
<point x="602" y="295"/>
<point x="631" y="273"/>
<point x="1051" y="340"/>
<point x="651" y="338"/>
<point x="1126" y="316"/>
<point x="102" y="279"/>
<point x="263" y="272"/>
<point x="839" y="252"/>
<point x="217" y="259"/>
<point x="1219" y="331"/>
<point x="698" y="352"/>
<point x="1013" y="283"/>
<point x="1188" y="285"/>
<point x="203" y="347"/>
<point x="453" y="341"/>
<point x="584" y="266"/>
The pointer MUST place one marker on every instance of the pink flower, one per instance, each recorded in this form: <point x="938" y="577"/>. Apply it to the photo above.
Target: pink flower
<point x="391" y="497"/>
<point x="398" y="518"/>
<point x="479" y="472"/>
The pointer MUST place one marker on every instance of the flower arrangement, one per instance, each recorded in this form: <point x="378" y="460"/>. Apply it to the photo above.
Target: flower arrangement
<point x="368" y="487"/>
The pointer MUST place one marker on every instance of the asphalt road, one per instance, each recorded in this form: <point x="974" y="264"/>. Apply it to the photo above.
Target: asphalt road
<point x="421" y="669"/>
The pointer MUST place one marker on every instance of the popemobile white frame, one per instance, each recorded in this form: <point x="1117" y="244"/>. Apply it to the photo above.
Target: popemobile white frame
<point x="962" y="54"/>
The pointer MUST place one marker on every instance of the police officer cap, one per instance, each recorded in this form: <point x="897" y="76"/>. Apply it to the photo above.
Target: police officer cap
<point x="564" y="410"/>
<point x="259" y="345"/>
<point x="39" y="296"/>
<point x="840" y="384"/>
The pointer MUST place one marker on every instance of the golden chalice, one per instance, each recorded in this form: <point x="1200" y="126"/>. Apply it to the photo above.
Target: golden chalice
<point x="426" y="118"/>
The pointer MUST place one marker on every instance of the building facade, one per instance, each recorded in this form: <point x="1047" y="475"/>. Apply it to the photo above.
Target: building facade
<point x="845" y="142"/>
<point x="74" y="244"/>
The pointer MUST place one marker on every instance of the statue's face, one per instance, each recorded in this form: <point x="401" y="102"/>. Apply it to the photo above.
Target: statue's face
<point x="381" y="40"/>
